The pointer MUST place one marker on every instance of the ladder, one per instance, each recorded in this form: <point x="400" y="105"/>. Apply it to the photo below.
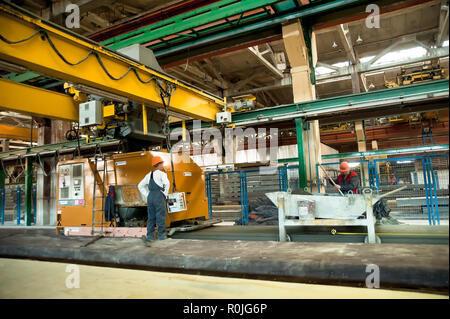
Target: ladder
<point x="100" y="182"/>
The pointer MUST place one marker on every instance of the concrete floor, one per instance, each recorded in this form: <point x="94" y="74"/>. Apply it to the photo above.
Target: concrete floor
<point x="38" y="279"/>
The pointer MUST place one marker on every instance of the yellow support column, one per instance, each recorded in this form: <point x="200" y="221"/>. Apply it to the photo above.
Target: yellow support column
<point x="144" y="119"/>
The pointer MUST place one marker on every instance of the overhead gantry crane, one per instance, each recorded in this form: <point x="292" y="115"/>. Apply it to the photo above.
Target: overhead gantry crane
<point x="113" y="96"/>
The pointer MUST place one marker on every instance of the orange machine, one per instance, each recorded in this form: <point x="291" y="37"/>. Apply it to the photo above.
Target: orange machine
<point x="76" y="178"/>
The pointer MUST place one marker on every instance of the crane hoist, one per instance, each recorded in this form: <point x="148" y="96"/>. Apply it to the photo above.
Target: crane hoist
<point x="111" y="96"/>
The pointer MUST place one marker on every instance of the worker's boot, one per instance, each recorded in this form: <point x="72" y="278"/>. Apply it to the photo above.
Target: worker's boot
<point x="146" y="241"/>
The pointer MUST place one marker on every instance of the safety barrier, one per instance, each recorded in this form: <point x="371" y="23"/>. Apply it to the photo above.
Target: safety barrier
<point x="426" y="178"/>
<point x="12" y="204"/>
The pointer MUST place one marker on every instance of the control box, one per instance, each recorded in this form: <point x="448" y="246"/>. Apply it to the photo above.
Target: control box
<point x="90" y="113"/>
<point x="223" y="117"/>
<point x="177" y="202"/>
<point x="71" y="185"/>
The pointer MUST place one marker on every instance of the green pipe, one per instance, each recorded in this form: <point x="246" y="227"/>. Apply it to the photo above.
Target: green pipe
<point x="299" y="125"/>
<point x="402" y="93"/>
<point x="186" y="21"/>
<point x="301" y="13"/>
<point x="393" y="151"/>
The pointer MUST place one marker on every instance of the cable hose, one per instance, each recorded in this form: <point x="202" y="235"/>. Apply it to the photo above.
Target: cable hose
<point x="162" y="94"/>
<point x="45" y="35"/>
<point x="20" y="41"/>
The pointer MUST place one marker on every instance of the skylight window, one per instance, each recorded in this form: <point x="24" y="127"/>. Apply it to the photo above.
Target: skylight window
<point x="402" y="55"/>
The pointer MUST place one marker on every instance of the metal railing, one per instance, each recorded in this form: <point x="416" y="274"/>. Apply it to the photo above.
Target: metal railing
<point x="12" y="202"/>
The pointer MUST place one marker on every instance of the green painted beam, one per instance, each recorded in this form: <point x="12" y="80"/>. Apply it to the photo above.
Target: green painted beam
<point x="299" y="125"/>
<point x="28" y="190"/>
<point x="186" y="21"/>
<point x="374" y="98"/>
<point x="21" y="77"/>
<point x="311" y="10"/>
<point x="392" y="151"/>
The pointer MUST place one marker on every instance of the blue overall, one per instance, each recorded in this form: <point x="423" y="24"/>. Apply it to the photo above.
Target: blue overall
<point x="156" y="209"/>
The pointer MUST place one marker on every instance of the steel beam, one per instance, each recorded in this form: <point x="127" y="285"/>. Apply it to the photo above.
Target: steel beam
<point x="39" y="55"/>
<point x="186" y="21"/>
<point x="348" y="103"/>
<point x="307" y="11"/>
<point x="16" y="132"/>
<point x="393" y="151"/>
<point x="34" y="101"/>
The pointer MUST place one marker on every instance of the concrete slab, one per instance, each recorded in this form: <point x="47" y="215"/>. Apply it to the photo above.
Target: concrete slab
<point x="39" y="279"/>
<point x="401" y="266"/>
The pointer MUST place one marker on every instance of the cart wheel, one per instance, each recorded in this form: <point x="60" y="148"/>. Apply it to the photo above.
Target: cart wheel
<point x="333" y="231"/>
<point x="377" y="240"/>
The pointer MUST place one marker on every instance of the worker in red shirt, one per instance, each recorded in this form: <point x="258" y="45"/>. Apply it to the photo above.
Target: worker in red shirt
<point x="347" y="180"/>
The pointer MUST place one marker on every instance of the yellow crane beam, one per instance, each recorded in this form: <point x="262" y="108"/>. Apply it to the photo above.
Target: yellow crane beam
<point x="17" y="133"/>
<point x="48" y="50"/>
<point x="30" y="100"/>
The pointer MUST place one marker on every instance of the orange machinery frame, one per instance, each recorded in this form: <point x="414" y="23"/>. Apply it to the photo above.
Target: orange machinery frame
<point x="128" y="170"/>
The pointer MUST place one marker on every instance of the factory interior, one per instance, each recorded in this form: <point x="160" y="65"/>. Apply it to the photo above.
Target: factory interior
<point x="224" y="149"/>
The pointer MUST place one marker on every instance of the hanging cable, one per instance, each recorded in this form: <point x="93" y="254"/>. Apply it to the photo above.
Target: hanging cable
<point x="5" y="170"/>
<point x="45" y="36"/>
<point x="167" y="93"/>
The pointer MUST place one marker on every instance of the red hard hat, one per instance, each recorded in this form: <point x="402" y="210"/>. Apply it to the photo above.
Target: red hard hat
<point x="156" y="160"/>
<point x="344" y="166"/>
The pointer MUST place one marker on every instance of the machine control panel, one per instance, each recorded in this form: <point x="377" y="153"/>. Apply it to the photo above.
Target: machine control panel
<point x="71" y="185"/>
<point x="177" y="202"/>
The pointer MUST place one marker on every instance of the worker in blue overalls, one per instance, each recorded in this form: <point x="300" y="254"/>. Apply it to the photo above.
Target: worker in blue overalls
<point x="155" y="187"/>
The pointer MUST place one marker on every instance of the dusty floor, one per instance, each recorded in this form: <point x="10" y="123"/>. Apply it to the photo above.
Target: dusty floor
<point x="37" y="279"/>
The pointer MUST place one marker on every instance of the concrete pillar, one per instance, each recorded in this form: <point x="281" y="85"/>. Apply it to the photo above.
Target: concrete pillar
<point x="5" y="144"/>
<point x="58" y="130"/>
<point x="303" y="90"/>
<point x="362" y="147"/>
<point x="43" y="183"/>
<point x="44" y="132"/>
<point x="52" y="196"/>
<point x="28" y="190"/>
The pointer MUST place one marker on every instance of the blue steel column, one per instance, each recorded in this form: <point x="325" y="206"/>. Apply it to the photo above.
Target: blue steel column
<point x="208" y="194"/>
<point x="241" y="184"/>
<point x="280" y="180"/>
<point x="2" y="208"/>
<point x="299" y="123"/>
<point x="436" y="204"/>
<point x="2" y="195"/>
<point x="425" y="182"/>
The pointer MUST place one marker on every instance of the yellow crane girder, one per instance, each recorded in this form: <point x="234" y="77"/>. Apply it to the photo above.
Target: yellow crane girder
<point x="30" y="100"/>
<point x="17" y="133"/>
<point x="41" y="47"/>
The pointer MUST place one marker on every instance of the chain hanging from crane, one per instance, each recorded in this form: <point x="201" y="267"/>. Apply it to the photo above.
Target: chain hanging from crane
<point x="166" y="93"/>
